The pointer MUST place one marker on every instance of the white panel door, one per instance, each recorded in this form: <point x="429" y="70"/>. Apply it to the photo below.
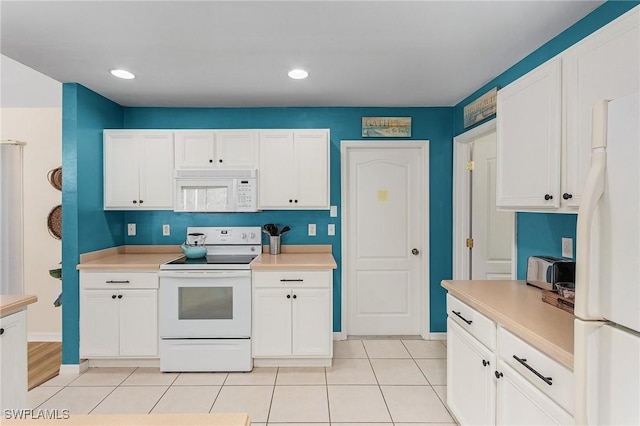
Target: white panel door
<point x="471" y="388"/>
<point x="271" y="332"/>
<point x="491" y="229"/>
<point x="277" y="168"/>
<point x="608" y="361"/>
<point x="99" y="323"/>
<point x="312" y="322"/>
<point x="386" y="208"/>
<point x="529" y="135"/>
<point x="122" y="170"/>
<point x="236" y="149"/>
<point x="312" y="168"/>
<point x="606" y="65"/>
<point x="521" y="403"/>
<point x="194" y="150"/>
<point x="138" y="322"/>
<point x="156" y="171"/>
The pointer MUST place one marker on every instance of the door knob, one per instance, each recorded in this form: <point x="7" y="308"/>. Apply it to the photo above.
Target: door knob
<point x="567" y="196"/>
<point x="548" y="197"/>
<point x="415" y="252"/>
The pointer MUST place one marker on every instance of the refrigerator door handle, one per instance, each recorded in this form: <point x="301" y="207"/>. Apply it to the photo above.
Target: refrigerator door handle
<point x="593" y="190"/>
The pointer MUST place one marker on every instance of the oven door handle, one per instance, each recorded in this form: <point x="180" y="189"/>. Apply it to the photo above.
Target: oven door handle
<point x="204" y="274"/>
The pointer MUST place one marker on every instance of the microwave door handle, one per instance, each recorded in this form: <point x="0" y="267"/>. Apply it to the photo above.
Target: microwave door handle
<point x="593" y="190"/>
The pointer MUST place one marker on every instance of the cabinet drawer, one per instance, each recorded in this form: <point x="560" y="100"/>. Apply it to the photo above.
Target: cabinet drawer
<point x="549" y="376"/>
<point x="479" y="326"/>
<point x="118" y="280"/>
<point x="292" y="278"/>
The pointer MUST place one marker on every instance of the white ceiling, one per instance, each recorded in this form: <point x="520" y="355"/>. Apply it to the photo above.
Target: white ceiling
<point x="237" y="53"/>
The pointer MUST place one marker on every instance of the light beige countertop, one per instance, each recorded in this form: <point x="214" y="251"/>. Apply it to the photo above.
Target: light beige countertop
<point x="10" y="304"/>
<point x="296" y="257"/>
<point x="519" y="308"/>
<point x="129" y="257"/>
<point x="191" y="419"/>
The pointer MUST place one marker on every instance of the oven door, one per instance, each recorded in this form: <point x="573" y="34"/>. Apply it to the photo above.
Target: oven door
<point x="205" y="304"/>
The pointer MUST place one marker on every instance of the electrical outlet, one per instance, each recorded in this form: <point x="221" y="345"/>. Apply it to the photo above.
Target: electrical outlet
<point x="312" y="230"/>
<point x="567" y="247"/>
<point x="166" y="230"/>
<point x="331" y="229"/>
<point x="131" y="229"/>
<point x="333" y="211"/>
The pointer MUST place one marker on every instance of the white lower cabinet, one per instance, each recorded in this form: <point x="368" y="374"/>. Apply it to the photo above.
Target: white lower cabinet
<point x="118" y="314"/>
<point x="521" y="403"/>
<point x="471" y="390"/>
<point x="488" y="385"/>
<point x="292" y="318"/>
<point x="13" y="357"/>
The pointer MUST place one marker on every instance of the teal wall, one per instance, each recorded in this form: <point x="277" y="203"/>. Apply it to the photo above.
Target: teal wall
<point x="434" y="124"/>
<point x="541" y="233"/>
<point x="85" y="225"/>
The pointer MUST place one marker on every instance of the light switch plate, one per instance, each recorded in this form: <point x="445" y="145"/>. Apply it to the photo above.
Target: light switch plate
<point x="567" y="247"/>
<point x="333" y="211"/>
<point x="312" y="229"/>
<point x="166" y="230"/>
<point x="331" y="229"/>
<point x="131" y="229"/>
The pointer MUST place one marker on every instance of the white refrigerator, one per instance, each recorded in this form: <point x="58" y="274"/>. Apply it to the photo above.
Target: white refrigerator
<point x="607" y="304"/>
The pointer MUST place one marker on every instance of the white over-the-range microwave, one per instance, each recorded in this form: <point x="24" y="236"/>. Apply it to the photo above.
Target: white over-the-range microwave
<point x="201" y="190"/>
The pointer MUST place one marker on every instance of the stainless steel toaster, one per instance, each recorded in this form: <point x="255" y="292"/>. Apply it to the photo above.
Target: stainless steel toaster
<point x="545" y="271"/>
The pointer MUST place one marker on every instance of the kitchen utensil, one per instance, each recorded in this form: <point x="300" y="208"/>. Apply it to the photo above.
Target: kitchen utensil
<point x="196" y="239"/>
<point x="271" y="229"/>
<point x="194" y="252"/>
<point x="285" y="229"/>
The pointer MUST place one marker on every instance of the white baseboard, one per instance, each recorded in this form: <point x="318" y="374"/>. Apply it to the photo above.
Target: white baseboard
<point x="339" y="335"/>
<point x="44" y="337"/>
<point x="124" y="362"/>
<point x="74" y="368"/>
<point x="437" y="336"/>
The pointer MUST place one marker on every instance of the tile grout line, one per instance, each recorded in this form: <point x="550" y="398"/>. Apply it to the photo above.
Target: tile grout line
<point x="273" y="392"/>
<point x="219" y="392"/>
<point x="164" y="393"/>
<point x="112" y="390"/>
<point x="378" y="382"/>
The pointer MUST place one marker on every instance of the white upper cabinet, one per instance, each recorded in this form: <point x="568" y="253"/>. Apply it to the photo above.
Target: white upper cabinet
<point x="138" y="170"/>
<point x="294" y="169"/>
<point x="221" y="149"/>
<point x="528" y="139"/>
<point x="605" y="65"/>
<point x="544" y="118"/>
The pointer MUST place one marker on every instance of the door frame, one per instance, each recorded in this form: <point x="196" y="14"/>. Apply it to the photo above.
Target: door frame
<point x="347" y="146"/>
<point x="461" y="190"/>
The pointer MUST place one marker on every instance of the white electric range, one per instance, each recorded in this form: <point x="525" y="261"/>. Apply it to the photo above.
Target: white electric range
<point x="205" y="303"/>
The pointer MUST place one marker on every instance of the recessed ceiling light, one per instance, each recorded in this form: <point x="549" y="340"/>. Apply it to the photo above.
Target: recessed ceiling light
<point x="123" y="74"/>
<point x="298" y="74"/>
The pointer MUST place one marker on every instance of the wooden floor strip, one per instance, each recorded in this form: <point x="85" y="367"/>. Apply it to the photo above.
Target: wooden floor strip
<point x="43" y="362"/>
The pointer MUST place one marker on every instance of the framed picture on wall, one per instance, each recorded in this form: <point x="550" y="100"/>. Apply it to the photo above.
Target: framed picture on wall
<point x="386" y="127"/>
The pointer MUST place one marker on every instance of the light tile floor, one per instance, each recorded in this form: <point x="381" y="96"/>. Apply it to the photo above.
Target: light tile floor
<point x="381" y="381"/>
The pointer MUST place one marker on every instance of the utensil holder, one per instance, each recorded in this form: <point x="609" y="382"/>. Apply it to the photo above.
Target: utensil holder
<point x="274" y="244"/>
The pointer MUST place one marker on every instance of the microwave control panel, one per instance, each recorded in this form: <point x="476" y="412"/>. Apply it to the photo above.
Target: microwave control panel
<point x="246" y="195"/>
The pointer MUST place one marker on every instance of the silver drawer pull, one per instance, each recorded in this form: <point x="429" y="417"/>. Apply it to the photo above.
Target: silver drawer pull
<point x="118" y="282"/>
<point x="284" y="280"/>
<point x="461" y="317"/>
<point x="523" y="361"/>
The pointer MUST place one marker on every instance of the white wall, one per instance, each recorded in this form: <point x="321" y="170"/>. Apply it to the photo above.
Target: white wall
<point x="32" y="112"/>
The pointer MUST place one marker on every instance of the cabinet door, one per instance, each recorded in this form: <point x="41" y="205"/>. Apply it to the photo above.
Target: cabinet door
<point x="13" y="368"/>
<point x="271" y="334"/>
<point x="528" y="144"/>
<point x="312" y="322"/>
<point x="99" y="323"/>
<point x="138" y="322"/>
<point x="121" y="170"/>
<point x="156" y="171"/>
<point x="277" y="170"/>
<point x="471" y="388"/>
<point x="236" y="149"/>
<point x="605" y="65"/>
<point x="194" y="150"/>
<point x="521" y="403"/>
<point x="312" y="169"/>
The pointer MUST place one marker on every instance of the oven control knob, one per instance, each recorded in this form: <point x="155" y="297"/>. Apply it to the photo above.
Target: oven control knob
<point x="243" y="235"/>
<point x="252" y="235"/>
